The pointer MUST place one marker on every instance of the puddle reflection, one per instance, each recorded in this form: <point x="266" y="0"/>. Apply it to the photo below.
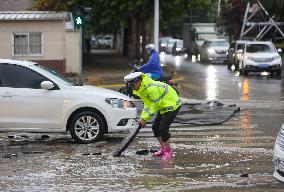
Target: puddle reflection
<point x="211" y="86"/>
<point x="178" y="61"/>
<point x="245" y="125"/>
<point x="165" y="164"/>
<point x="245" y="90"/>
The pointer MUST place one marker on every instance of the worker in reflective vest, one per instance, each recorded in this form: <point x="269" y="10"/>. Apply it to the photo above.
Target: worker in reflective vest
<point x="160" y="98"/>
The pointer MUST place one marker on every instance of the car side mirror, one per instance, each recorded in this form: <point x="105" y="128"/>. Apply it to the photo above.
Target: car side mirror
<point x="240" y="51"/>
<point x="48" y="85"/>
<point x="279" y="50"/>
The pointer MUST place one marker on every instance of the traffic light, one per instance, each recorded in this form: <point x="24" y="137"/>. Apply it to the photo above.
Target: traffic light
<point x="82" y="15"/>
<point x="79" y="20"/>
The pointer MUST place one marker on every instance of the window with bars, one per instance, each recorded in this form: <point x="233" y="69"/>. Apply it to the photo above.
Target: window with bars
<point x="27" y="44"/>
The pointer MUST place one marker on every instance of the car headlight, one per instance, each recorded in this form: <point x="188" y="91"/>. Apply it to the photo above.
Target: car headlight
<point x="119" y="103"/>
<point x="248" y="57"/>
<point x="210" y="50"/>
<point x="276" y="57"/>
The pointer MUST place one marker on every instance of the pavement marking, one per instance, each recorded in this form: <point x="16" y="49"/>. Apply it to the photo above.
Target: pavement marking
<point x="221" y="133"/>
<point x="254" y="138"/>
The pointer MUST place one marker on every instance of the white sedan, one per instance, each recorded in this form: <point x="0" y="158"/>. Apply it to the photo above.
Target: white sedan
<point x="34" y="98"/>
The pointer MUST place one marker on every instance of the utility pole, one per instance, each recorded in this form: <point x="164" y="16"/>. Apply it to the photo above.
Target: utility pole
<point x="156" y="25"/>
<point x="218" y="8"/>
<point x="81" y="55"/>
<point x="82" y="16"/>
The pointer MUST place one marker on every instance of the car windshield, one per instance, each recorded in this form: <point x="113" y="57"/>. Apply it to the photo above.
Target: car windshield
<point x="259" y="48"/>
<point x="218" y="44"/>
<point x="171" y="42"/>
<point x="199" y="43"/>
<point x="240" y="46"/>
<point x="70" y="82"/>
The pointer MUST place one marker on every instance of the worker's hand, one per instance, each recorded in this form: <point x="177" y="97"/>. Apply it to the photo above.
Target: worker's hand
<point x="142" y="122"/>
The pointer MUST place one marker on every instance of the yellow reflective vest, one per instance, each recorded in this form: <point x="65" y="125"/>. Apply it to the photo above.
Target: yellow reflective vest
<point x="156" y="96"/>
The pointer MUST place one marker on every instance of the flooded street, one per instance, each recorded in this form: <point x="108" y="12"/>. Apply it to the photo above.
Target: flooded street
<point x="234" y="156"/>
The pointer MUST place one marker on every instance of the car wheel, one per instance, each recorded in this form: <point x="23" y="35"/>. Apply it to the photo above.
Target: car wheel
<point x="244" y="72"/>
<point x="229" y="66"/>
<point x="86" y="127"/>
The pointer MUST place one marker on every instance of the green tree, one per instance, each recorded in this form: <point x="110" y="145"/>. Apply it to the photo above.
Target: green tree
<point x="109" y="16"/>
<point x="50" y="5"/>
<point x="232" y="14"/>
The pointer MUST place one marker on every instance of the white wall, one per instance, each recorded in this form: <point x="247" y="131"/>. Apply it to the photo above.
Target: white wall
<point x="53" y="38"/>
<point x="58" y="43"/>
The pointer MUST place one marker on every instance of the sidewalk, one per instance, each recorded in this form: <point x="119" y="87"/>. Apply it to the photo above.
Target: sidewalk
<point x="105" y="68"/>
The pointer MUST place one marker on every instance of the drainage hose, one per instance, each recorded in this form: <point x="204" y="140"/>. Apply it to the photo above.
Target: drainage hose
<point x="126" y="141"/>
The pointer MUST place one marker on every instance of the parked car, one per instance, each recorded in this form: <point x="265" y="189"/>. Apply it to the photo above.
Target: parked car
<point x="259" y="56"/>
<point x="34" y="98"/>
<point x="104" y="41"/>
<point x="108" y="41"/>
<point x="278" y="156"/>
<point x="233" y="56"/>
<point x="164" y="43"/>
<point x="214" y="50"/>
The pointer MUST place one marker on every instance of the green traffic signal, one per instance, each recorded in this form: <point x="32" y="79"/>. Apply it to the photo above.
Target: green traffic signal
<point x="78" y="20"/>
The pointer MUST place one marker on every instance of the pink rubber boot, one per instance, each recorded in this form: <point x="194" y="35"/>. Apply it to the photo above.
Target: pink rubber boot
<point x="159" y="153"/>
<point x="168" y="154"/>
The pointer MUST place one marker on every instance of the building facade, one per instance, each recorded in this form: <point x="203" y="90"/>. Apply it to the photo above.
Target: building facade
<point x="44" y="37"/>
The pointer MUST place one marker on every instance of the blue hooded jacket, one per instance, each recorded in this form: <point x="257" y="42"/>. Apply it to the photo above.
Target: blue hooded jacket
<point x="153" y="65"/>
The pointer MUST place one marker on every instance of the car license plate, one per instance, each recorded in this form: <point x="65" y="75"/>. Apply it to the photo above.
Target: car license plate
<point x="263" y="65"/>
<point x="279" y="164"/>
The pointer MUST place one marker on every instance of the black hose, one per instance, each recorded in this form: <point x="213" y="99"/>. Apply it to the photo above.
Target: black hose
<point x="126" y="141"/>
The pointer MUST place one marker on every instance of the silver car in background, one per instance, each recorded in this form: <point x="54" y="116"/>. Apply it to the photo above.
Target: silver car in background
<point x="163" y="43"/>
<point x="214" y="50"/>
<point x="278" y="156"/>
<point x="169" y="48"/>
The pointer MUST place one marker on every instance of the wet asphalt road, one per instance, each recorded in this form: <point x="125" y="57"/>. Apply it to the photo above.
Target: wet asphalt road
<point x="234" y="156"/>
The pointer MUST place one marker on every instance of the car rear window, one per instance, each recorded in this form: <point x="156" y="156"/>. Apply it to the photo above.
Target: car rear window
<point x="240" y="46"/>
